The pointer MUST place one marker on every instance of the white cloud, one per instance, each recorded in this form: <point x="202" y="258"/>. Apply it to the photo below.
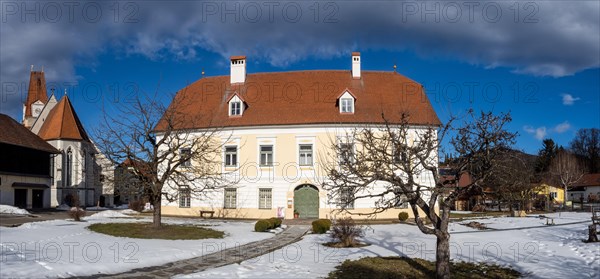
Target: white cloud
<point x="569" y="100"/>
<point x="562" y="127"/>
<point x="539" y="133"/>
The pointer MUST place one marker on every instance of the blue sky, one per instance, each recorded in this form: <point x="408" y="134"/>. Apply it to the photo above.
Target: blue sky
<point x="542" y="65"/>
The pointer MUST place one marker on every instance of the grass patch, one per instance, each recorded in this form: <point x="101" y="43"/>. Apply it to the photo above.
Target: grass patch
<point x="402" y="267"/>
<point x="460" y="217"/>
<point x="147" y="231"/>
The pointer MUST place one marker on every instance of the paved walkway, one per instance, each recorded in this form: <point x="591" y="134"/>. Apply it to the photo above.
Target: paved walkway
<point x="224" y="257"/>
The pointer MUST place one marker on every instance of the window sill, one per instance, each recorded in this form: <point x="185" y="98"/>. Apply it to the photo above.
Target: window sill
<point x="265" y="208"/>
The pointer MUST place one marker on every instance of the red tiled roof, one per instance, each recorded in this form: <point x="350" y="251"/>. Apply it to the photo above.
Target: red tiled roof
<point x="37" y="91"/>
<point x="355" y="53"/>
<point x="302" y="97"/>
<point x="14" y="133"/>
<point x="590" y="179"/>
<point x="237" y="57"/>
<point x="62" y="123"/>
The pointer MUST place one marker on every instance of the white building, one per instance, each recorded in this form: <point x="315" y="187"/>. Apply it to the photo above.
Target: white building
<point x="279" y="128"/>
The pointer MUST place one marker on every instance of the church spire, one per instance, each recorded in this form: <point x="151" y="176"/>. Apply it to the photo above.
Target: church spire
<point x="37" y="96"/>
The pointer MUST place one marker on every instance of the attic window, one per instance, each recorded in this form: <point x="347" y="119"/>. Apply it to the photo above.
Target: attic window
<point x="346" y="102"/>
<point x="236" y="107"/>
<point x="347" y="105"/>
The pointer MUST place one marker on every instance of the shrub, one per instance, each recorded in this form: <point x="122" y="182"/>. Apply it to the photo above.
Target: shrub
<point x="76" y="213"/>
<point x="321" y="226"/>
<point x="402" y="216"/>
<point x="276" y="222"/>
<point x="262" y="226"/>
<point x="346" y="231"/>
<point x="136" y="205"/>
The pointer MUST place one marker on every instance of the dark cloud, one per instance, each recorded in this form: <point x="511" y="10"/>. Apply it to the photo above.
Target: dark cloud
<point x="545" y="38"/>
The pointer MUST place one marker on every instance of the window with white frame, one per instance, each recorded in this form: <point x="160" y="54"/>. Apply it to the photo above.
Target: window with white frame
<point x="230" y="198"/>
<point x="230" y="156"/>
<point x="236" y="108"/>
<point x="306" y="155"/>
<point x="553" y="195"/>
<point x="185" y="196"/>
<point x="347" y="105"/>
<point x="265" y="198"/>
<point x="266" y="155"/>
<point x="185" y="155"/>
<point x="346" y="153"/>
<point x="346" y="198"/>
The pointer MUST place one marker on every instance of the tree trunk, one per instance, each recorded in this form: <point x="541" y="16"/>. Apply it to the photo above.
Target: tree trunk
<point x="156" y="220"/>
<point x="565" y="198"/>
<point x="442" y="256"/>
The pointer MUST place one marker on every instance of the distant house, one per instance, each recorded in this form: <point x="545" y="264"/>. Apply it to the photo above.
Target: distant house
<point x="25" y="166"/>
<point x="555" y="195"/>
<point x="129" y="185"/>
<point x="475" y="199"/>
<point x="587" y="188"/>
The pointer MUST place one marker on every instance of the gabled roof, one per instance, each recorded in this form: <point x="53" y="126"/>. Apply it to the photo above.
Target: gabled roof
<point x="62" y="123"/>
<point x="14" y="133"/>
<point x="301" y="97"/>
<point x="589" y="179"/>
<point x="37" y="91"/>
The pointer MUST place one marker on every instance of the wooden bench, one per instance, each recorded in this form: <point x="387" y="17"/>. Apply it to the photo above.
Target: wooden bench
<point x="202" y="212"/>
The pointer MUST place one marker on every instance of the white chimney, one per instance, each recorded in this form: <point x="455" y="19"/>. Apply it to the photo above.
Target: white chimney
<point x="238" y="69"/>
<point x="356" y="65"/>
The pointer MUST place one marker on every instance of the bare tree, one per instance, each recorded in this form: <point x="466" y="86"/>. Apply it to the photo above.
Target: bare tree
<point x="567" y="170"/>
<point x="587" y="144"/>
<point x="402" y="159"/>
<point x="511" y="179"/>
<point x="173" y="159"/>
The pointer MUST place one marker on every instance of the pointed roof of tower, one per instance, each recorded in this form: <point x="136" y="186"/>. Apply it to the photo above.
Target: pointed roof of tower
<point x="37" y="90"/>
<point x="62" y="123"/>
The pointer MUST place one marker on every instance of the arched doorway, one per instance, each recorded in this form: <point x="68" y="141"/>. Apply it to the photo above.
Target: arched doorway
<point x="306" y="201"/>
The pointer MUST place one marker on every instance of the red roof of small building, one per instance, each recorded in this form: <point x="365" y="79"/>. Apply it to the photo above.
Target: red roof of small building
<point x="37" y="91"/>
<point x="301" y="97"/>
<point x="590" y="179"/>
<point x="14" y="133"/>
<point x="62" y="123"/>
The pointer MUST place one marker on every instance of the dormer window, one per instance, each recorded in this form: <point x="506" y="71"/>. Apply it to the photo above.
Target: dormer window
<point x="346" y="102"/>
<point x="236" y="106"/>
<point x="347" y="105"/>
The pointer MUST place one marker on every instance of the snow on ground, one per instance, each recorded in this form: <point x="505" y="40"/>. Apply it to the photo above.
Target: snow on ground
<point x="129" y="211"/>
<point x="107" y="214"/>
<point x="62" y="248"/>
<point x="545" y="252"/>
<point x="7" y="209"/>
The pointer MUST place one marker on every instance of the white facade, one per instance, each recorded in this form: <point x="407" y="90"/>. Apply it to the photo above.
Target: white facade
<point x="283" y="177"/>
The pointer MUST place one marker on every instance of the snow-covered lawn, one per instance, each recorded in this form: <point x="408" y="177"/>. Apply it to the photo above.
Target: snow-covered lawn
<point x="7" y="209"/>
<point x="547" y="252"/>
<point x="62" y="248"/>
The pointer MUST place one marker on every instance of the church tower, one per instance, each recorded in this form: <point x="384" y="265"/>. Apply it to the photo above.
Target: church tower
<point x="37" y="97"/>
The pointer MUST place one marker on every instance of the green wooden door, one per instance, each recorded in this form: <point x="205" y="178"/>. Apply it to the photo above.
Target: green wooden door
<point x="306" y="202"/>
